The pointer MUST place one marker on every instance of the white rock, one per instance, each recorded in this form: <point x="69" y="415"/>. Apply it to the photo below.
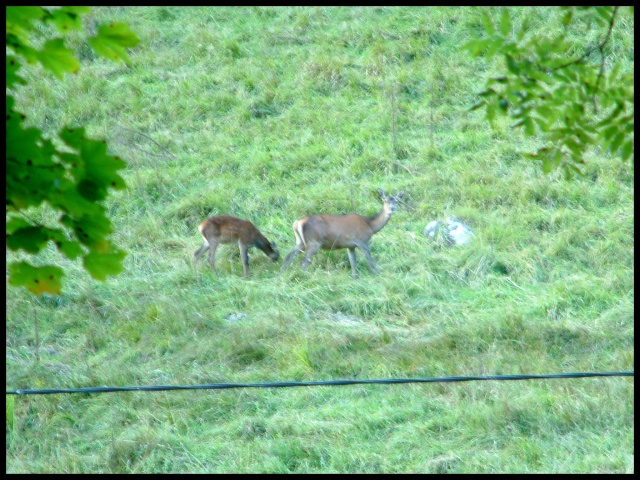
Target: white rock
<point x="432" y="228"/>
<point x="459" y="233"/>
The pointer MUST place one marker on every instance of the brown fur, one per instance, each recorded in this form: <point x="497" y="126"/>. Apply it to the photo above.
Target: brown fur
<point x="228" y="229"/>
<point x="328" y="232"/>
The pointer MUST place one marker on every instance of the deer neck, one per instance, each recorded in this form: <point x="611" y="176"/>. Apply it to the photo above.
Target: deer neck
<point x="377" y="222"/>
<point x="263" y="244"/>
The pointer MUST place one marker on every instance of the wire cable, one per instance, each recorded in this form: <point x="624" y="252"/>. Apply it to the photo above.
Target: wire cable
<point x="383" y="381"/>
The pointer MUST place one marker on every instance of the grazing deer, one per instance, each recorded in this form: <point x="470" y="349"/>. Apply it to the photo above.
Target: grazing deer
<point x="227" y="229"/>
<point x="314" y="232"/>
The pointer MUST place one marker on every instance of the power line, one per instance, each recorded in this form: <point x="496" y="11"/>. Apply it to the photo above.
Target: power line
<point x="383" y="381"/>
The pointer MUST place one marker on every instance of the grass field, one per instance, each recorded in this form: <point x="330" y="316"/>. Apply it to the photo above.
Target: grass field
<point x="270" y="114"/>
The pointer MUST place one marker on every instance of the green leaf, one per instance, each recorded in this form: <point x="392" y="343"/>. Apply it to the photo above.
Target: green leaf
<point x="626" y="150"/>
<point x="470" y="46"/>
<point x="491" y="113"/>
<point x="68" y="18"/>
<point x="572" y="115"/>
<point x="476" y="105"/>
<point x="23" y="15"/>
<point x="516" y="98"/>
<point x="69" y="248"/>
<point x="15" y="223"/>
<point x="33" y="172"/>
<point x="73" y="183"/>
<point x="488" y="24"/>
<point x="98" y="171"/>
<point x="529" y="127"/>
<point x="31" y="239"/>
<point x="608" y="133"/>
<point x="505" y="22"/>
<point x="37" y="280"/>
<point x="112" y="40"/>
<point x="499" y="79"/>
<point x="493" y="45"/>
<point x="77" y="10"/>
<point x="101" y="168"/>
<point x="540" y="76"/>
<point x="486" y="93"/>
<point x="569" y="168"/>
<point x="605" y="14"/>
<point x="99" y="264"/>
<point x="524" y="28"/>
<point x="12" y="77"/>
<point x="31" y="55"/>
<point x="546" y="112"/>
<point x="556" y="158"/>
<point x="57" y="58"/>
<point x="616" y="142"/>
<point x="475" y="47"/>
<point x="512" y="65"/>
<point x="574" y="146"/>
<point x="583" y="136"/>
<point x="23" y="144"/>
<point x="542" y="124"/>
<point x="19" y="20"/>
<point x="68" y="199"/>
<point x="566" y="18"/>
<point x="91" y="230"/>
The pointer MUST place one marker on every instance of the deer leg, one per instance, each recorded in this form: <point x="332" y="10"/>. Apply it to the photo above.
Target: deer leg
<point x="299" y="248"/>
<point x="367" y="254"/>
<point x="311" y="250"/>
<point x="245" y="258"/>
<point x="212" y="256"/>
<point x="352" y="261"/>
<point x="290" y="257"/>
<point x="198" y="253"/>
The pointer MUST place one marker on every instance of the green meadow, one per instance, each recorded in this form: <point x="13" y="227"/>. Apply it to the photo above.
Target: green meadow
<point x="273" y="113"/>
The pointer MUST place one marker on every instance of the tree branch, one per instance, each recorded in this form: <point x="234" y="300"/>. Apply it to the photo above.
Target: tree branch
<point x="599" y="47"/>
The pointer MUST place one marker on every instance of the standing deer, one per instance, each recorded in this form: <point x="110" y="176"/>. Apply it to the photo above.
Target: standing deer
<point x="227" y="229"/>
<point x="314" y="232"/>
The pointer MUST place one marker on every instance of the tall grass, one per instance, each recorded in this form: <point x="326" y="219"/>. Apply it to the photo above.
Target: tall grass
<point x="271" y="113"/>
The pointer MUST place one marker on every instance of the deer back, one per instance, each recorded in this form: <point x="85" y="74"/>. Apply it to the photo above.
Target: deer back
<point x="337" y="231"/>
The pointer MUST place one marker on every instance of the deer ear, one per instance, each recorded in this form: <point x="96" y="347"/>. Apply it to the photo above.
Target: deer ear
<point x="400" y="194"/>
<point x="381" y="193"/>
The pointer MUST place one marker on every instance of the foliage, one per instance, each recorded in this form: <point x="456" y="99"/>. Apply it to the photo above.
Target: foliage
<point x="572" y="94"/>
<point x="73" y="179"/>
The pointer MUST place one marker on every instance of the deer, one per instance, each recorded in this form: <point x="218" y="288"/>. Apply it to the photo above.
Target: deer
<point x="328" y="232"/>
<point x="228" y="229"/>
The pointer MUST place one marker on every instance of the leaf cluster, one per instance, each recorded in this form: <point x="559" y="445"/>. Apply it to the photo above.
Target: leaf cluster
<point x="74" y="181"/>
<point x="559" y="89"/>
